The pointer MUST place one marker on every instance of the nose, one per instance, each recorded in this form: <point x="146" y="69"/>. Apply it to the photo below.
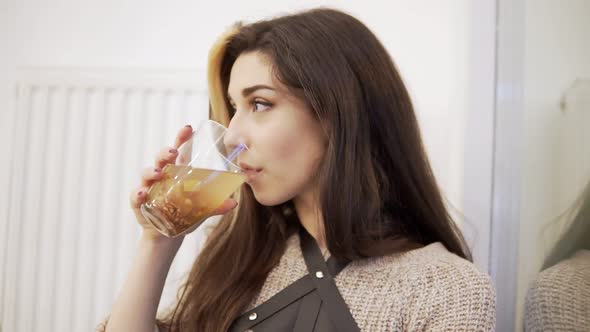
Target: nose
<point x="234" y="135"/>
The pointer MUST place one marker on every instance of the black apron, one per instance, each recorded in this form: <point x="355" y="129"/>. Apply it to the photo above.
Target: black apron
<point x="312" y="303"/>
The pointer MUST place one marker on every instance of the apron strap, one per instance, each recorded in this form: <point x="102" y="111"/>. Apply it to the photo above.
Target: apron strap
<point x="290" y="294"/>
<point x="308" y="313"/>
<point x="322" y="276"/>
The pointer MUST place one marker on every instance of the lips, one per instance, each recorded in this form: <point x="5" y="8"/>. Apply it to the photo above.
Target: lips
<point x="251" y="172"/>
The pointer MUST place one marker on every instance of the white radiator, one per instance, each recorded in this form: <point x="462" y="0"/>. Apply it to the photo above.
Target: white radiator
<point x="82" y="138"/>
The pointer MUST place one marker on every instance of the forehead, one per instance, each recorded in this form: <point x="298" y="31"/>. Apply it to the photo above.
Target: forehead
<point x="250" y="69"/>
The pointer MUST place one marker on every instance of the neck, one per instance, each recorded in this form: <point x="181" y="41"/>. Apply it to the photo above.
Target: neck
<point x="310" y="217"/>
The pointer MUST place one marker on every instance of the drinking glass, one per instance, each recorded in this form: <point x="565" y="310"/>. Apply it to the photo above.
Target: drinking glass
<point x="203" y="177"/>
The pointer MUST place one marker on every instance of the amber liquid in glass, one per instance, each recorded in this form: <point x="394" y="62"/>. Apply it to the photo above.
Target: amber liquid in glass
<point x="186" y="196"/>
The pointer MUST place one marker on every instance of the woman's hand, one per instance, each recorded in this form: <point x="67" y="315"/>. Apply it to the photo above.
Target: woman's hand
<point x="153" y="174"/>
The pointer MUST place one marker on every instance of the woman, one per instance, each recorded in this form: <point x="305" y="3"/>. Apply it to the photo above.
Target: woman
<point x="337" y="170"/>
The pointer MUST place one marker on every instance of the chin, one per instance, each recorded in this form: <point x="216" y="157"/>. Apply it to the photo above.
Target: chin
<point x="268" y="198"/>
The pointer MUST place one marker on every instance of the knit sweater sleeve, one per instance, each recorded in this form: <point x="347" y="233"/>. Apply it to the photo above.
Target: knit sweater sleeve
<point x="451" y="295"/>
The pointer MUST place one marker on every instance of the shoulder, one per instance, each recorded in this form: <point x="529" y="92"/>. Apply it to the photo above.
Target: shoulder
<point x="556" y="295"/>
<point x="438" y="289"/>
<point x="434" y="266"/>
<point x="429" y="266"/>
<point x="562" y="276"/>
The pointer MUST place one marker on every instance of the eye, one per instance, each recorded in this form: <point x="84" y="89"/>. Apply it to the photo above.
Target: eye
<point x="260" y="106"/>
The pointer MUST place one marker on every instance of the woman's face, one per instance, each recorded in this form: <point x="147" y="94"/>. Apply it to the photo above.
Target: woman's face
<point x="284" y="137"/>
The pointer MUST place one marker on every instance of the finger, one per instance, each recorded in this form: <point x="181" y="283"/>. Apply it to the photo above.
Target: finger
<point x="183" y="135"/>
<point x="138" y="197"/>
<point x="166" y="156"/>
<point x="149" y="175"/>
<point x="225" y="207"/>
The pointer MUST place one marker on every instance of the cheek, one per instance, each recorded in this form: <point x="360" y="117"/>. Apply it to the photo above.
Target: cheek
<point x="291" y="157"/>
<point x="279" y="143"/>
<point x="294" y="158"/>
<point x="286" y="148"/>
<point x="291" y="148"/>
<point x="281" y="181"/>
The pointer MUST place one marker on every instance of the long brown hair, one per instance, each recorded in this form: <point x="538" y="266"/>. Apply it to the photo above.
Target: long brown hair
<point x="378" y="193"/>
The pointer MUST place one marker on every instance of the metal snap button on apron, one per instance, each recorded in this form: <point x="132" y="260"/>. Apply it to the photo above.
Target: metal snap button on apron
<point x="319" y="274"/>
<point x="253" y="316"/>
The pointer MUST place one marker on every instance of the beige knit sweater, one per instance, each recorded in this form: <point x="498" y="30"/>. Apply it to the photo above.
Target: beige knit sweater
<point x="427" y="289"/>
<point x="559" y="299"/>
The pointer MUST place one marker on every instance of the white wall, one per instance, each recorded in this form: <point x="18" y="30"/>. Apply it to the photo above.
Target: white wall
<point x="444" y="50"/>
<point x="431" y="41"/>
<point x="556" y="142"/>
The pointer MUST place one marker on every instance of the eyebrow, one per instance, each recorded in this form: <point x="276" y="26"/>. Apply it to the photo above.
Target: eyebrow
<point x="249" y="90"/>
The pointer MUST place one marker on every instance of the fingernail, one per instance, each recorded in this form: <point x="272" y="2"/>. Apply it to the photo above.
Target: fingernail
<point x="139" y="193"/>
<point x="188" y="126"/>
<point x="172" y="150"/>
<point x="157" y="170"/>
